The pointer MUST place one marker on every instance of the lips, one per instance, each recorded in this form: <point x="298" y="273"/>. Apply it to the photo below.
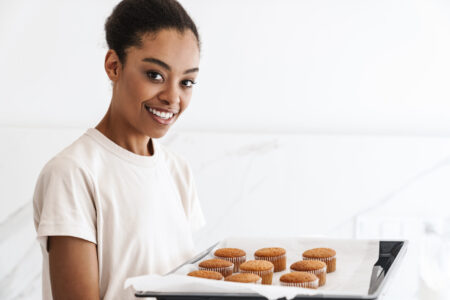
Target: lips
<point x="161" y="116"/>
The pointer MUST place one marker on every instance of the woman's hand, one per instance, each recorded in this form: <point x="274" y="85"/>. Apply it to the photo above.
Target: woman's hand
<point x="73" y="268"/>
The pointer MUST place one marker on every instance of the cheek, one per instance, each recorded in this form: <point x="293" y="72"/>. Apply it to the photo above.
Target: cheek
<point x="135" y="90"/>
<point x="185" y="100"/>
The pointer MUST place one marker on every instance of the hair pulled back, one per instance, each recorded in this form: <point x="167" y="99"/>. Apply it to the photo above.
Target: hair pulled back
<point x="131" y="19"/>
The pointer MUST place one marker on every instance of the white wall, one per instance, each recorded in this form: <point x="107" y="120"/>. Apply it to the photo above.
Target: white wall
<point x="342" y="104"/>
<point x="359" y="66"/>
<point x="364" y="66"/>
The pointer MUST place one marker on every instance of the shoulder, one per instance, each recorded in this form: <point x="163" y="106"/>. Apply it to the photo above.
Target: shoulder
<point x="63" y="175"/>
<point x="82" y="149"/>
<point x="71" y="160"/>
<point x="63" y="164"/>
<point x="64" y="181"/>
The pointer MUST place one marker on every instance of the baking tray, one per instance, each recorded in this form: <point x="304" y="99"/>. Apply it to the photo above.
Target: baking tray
<point x="390" y="254"/>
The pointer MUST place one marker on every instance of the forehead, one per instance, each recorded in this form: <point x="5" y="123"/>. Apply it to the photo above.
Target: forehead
<point x="179" y="50"/>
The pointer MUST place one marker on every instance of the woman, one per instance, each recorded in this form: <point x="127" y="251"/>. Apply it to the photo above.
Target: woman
<point x="116" y="203"/>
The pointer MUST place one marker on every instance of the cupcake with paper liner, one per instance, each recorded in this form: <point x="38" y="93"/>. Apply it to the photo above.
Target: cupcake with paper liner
<point x="244" y="278"/>
<point x="224" y="267"/>
<point x="262" y="268"/>
<point x="206" y="274"/>
<point x="275" y="255"/>
<point x="316" y="267"/>
<point x="327" y="255"/>
<point x="300" y="279"/>
<point x="234" y="255"/>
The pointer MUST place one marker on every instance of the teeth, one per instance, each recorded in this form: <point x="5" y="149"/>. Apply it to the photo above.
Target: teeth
<point x="163" y="115"/>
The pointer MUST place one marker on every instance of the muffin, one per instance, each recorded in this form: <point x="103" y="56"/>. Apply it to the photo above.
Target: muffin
<point x="262" y="268"/>
<point x="316" y="267"/>
<point x="277" y="256"/>
<point x="224" y="267"/>
<point x="244" y="278"/>
<point x="300" y="279"/>
<point x="206" y="274"/>
<point x="327" y="255"/>
<point x="234" y="255"/>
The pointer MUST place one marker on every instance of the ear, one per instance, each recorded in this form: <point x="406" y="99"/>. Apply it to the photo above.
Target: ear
<point x="112" y="65"/>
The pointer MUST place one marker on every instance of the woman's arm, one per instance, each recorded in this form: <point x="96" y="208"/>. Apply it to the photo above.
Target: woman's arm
<point x="73" y="268"/>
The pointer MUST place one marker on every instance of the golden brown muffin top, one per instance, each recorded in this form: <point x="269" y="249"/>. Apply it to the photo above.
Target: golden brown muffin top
<point x="206" y="274"/>
<point x="270" y="252"/>
<point x="229" y="252"/>
<point x="298" y="277"/>
<point x="308" y="265"/>
<point x="319" y="253"/>
<point x="243" y="277"/>
<point x="215" y="263"/>
<point x="256" y="265"/>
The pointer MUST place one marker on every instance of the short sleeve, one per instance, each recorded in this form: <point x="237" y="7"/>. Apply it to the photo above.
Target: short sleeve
<point x="63" y="202"/>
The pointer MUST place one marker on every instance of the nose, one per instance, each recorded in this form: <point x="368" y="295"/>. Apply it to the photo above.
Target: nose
<point x="170" y="94"/>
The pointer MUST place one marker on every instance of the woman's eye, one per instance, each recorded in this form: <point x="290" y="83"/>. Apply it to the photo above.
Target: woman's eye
<point x="188" y="83"/>
<point x="154" y="76"/>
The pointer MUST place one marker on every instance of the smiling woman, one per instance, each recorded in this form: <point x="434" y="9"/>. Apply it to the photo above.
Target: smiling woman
<point x="152" y="88"/>
<point x="116" y="203"/>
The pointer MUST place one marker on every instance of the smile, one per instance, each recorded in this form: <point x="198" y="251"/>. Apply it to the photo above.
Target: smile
<point x="163" y="117"/>
<point x="161" y="114"/>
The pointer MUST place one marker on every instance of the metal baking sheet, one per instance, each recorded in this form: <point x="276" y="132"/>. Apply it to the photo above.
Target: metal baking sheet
<point x="390" y="255"/>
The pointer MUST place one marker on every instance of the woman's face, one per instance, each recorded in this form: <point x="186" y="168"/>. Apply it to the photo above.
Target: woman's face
<point x="155" y="84"/>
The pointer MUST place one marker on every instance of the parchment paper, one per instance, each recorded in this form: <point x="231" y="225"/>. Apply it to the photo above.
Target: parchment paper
<point x="355" y="260"/>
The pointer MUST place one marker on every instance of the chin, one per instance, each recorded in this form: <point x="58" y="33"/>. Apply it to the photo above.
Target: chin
<point x="156" y="134"/>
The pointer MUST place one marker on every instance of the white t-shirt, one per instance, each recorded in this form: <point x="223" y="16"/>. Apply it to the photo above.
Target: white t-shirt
<point x="139" y="210"/>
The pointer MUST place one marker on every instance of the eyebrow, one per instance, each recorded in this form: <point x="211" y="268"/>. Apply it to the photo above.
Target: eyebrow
<point x="166" y="66"/>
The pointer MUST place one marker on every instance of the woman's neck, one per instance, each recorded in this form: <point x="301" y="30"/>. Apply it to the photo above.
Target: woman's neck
<point x="123" y="134"/>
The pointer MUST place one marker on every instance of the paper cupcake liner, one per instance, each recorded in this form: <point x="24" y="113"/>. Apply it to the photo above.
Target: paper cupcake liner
<point x="320" y="273"/>
<point x="310" y="284"/>
<point x="325" y="259"/>
<point x="265" y="275"/>
<point x="225" y="271"/>
<point x="278" y="261"/>
<point x="330" y="261"/>
<point x="270" y="258"/>
<point x="237" y="261"/>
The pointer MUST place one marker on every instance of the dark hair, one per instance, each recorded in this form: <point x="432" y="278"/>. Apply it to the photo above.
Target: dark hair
<point x="131" y="19"/>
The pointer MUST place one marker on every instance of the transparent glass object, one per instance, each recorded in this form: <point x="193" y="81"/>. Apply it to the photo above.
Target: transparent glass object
<point x="434" y="261"/>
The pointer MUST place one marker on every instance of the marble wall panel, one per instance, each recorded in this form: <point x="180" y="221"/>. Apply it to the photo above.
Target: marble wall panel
<point x="252" y="185"/>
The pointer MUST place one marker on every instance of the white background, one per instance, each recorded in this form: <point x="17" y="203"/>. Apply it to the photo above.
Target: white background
<point x="310" y="118"/>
